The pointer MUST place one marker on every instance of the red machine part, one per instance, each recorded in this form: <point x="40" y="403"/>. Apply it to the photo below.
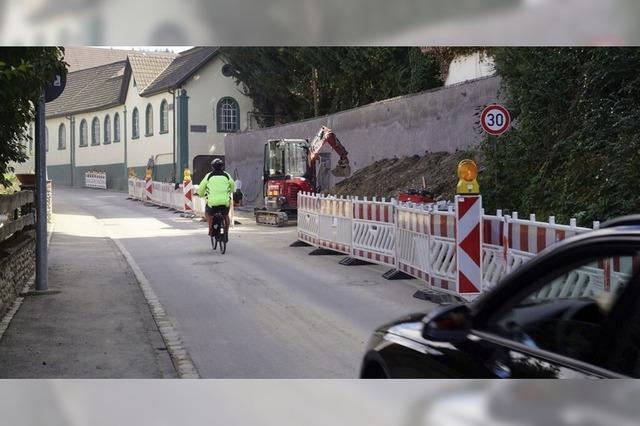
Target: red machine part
<point x="288" y="189"/>
<point x="416" y="196"/>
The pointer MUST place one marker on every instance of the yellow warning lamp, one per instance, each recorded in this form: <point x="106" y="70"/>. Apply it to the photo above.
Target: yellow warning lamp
<point x="467" y="172"/>
<point x="148" y="174"/>
<point x="187" y="175"/>
<point x="132" y="173"/>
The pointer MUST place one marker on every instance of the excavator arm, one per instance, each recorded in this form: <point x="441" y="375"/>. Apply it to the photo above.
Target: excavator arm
<point x="326" y="136"/>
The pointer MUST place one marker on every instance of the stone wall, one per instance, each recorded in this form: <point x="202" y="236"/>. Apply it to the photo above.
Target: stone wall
<point x="17" y="266"/>
<point x="443" y="119"/>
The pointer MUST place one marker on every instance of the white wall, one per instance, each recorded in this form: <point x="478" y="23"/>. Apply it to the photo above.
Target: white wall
<point x="469" y="67"/>
<point x="112" y="153"/>
<point x="57" y="156"/>
<point x="28" y="166"/>
<point x="139" y="150"/>
<point x="205" y="89"/>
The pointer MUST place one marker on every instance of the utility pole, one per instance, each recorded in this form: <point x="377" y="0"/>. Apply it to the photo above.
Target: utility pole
<point x="41" y="199"/>
<point x="50" y="92"/>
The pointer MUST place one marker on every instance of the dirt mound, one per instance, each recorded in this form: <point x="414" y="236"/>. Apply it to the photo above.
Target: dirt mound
<point x="388" y="177"/>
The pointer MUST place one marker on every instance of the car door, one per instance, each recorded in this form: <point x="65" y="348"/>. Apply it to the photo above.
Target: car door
<point x="554" y="317"/>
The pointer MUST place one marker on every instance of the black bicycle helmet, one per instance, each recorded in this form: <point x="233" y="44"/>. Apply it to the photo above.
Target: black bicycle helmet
<point x="217" y="164"/>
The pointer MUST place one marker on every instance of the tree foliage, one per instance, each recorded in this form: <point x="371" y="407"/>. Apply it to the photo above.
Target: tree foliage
<point x="24" y="71"/>
<point x="574" y="148"/>
<point x="283" y="82"/>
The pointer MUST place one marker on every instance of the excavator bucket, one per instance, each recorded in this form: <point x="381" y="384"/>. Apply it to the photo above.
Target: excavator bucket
<point x="343" y="169"/>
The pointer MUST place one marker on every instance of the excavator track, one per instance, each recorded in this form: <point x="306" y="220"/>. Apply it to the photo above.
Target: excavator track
<point x="271" y="218"/>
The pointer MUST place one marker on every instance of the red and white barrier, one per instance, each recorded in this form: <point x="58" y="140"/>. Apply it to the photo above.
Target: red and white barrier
<point x="148" y="186"/>
<point x="413" y="241"/>
<point x="424" y="242"/>
<point x="334" y="224"/>
<point x="188" y="196"/>
<point x="469" y="246"/>
<point x="308" y="211"/>
<point x="373" y="231"/>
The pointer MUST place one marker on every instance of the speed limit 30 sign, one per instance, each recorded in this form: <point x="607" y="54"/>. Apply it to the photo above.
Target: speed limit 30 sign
<point x="495" y="119"/>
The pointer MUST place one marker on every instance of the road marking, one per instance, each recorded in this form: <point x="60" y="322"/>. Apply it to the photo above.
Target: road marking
<point x="178" y="353"/>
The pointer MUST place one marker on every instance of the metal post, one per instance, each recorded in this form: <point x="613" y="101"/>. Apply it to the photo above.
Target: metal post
<point x="41" y="199"/>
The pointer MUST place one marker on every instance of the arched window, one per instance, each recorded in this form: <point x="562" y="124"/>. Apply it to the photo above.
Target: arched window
<point x="164" y="117"/>
<point x="95" y="131"/>
<point x="107" y="129"/>
<point x="46" y="139"/>
<point x="84" y="133"/>
<point x="148" y="121"/>
<point x="228" y="115"/>
<point x="135" y="124"/>
<point x="62" y="137"/>
<point x="116" y="127"/>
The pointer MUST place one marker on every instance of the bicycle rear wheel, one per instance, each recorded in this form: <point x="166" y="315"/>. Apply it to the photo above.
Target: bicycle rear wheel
<point x="223" y="247"/>
<point x="214" y="242"/>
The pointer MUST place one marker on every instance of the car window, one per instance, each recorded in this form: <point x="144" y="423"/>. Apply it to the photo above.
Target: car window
<point x="569" y="314"/>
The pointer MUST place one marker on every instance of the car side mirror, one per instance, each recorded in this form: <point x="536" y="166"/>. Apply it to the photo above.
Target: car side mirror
<point x="449" y="324"/>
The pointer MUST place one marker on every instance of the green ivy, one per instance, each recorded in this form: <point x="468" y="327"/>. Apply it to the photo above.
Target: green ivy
<point x="24" y="71"/>
<point x="574" y="148"/>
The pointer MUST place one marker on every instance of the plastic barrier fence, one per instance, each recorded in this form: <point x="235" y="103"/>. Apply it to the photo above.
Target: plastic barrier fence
<point x="373" y="236"/>
<point x="95" y="180"/>
<point x="162" y="194"/>
<point x="334" y="224"/>
<point x="308" y="221"/>
<point x="420" y="240"/>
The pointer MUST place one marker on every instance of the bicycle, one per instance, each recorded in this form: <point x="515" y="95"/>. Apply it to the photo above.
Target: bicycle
<point x="218" y="235"/>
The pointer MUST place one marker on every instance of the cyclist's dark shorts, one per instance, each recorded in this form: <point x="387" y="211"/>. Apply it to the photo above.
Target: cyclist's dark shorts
<point x="224" y="210"/>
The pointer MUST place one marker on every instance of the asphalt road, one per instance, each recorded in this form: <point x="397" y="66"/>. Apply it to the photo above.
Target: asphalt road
<point x="262" y="310"/>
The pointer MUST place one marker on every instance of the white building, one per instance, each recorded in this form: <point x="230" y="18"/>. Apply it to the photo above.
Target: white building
<point x="170" y="110"/>
<point x="470" y="67"/>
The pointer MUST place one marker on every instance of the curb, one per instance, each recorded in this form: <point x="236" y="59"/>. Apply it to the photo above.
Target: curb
<point x="179" y="355"/>
<point x="6" y="320"/>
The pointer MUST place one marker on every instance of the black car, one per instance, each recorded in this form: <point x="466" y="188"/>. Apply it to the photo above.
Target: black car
<point x="571" y="311"/>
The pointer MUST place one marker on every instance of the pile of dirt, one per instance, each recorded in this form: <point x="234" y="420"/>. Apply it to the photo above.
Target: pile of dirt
<point x="388" y="177"/>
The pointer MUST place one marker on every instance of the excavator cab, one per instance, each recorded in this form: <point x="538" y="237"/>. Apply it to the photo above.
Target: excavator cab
<point x="290" y="167"/>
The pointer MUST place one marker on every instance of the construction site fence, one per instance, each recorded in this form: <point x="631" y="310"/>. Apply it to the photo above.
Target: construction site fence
<point x="94" y="179"/>
<point x="169" y="195"/>
<point x="420" y="240"/>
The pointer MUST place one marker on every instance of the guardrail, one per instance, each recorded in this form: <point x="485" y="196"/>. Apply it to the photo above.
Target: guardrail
<point x="420" y="241"/>
<point x="94" y="179"/>
<point x="16" y="213"/>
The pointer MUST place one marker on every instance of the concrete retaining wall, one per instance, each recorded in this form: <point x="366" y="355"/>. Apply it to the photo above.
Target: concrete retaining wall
<point x="17" y="266"/>
<point x="438" y="120"/>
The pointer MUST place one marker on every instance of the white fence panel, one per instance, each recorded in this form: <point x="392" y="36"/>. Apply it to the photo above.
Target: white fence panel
<point x="308" y="223"/>
<point x="373" y="232"/>
<point x="334" y="224"/>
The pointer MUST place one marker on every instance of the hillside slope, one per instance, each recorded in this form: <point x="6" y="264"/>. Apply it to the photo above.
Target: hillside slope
<point x="388" y="177"/>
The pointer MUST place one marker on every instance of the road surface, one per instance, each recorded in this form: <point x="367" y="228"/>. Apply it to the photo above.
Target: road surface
<point x="264" y="309"/>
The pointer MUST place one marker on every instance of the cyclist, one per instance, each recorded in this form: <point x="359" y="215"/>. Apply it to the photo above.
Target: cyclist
<point x="218" y="186"/>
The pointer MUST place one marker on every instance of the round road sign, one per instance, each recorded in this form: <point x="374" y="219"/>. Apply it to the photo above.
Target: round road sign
<point x="495" y="119"/>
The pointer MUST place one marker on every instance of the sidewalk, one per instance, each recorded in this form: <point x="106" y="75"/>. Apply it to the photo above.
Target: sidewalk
<point x="98" y="325"/>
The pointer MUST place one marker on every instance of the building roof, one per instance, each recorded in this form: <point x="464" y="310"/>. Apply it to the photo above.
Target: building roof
<point x="80" y="58"/>
<point x="92" y="89"/>
<point x="148" y="66"/>
<point x="183" y="66"/>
